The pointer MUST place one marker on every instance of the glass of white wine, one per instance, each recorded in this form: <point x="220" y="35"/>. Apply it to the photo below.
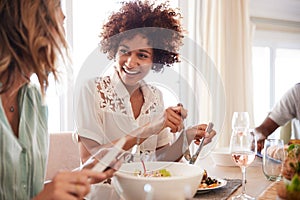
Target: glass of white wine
<point x="243" y="151"/>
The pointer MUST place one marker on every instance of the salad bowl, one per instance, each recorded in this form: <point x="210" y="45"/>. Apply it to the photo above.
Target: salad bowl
<point x="161" y="180"/>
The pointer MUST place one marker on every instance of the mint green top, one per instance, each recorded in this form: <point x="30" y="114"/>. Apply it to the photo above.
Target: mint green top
<point x="23" y="159"/>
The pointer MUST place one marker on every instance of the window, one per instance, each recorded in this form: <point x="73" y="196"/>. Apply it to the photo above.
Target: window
<point x="287" y="70"/>
<point x="261" y="82"/>
<point x="82" y="25"/>
<point x="276" y="61"/>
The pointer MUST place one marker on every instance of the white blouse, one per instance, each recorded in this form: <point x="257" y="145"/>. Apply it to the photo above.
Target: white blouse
<point x="104" y="112"/>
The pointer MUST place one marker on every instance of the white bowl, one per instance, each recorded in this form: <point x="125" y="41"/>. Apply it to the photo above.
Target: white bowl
<point x="182" y="184"/>
<point x="222" y="157"/>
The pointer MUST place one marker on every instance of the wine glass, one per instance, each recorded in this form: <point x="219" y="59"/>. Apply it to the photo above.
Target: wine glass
<point x="273" y="157"/>
<point x="240" y="120"/>
<point x="243" y="152"/>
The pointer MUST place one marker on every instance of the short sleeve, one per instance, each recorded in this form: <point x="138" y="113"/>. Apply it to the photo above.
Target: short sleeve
<point x="288" y="106"/>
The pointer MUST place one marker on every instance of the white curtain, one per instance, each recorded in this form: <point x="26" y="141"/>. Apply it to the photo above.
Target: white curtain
<point x="222" y="30"/>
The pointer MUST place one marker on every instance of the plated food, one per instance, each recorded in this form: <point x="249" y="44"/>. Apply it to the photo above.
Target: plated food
<point x="210" y="183"/>
<point x="153" y="173"/>
<point x="222" y="183"/>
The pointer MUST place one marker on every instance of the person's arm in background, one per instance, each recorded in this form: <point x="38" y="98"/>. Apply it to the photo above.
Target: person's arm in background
<point x="283" y="111"/>
<point x="264" y="130"/>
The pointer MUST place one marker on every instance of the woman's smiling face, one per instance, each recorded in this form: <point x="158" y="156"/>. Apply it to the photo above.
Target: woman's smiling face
<point x="134" y="59"/>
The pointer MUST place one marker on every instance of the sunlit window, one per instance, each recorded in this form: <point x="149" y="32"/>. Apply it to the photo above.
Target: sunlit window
<point x="275" y="70"/>
<point x="287" y="70"/>
<point x="261" y="82"/>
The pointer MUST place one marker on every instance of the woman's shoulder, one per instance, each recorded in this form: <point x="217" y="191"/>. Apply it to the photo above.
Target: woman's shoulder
<point x="33" y="93"/>
<point x="32" y="89"/>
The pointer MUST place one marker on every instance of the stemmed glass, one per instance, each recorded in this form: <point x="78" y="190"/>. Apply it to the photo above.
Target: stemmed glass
<point x="242" y="147"/>
<point x="240" y="120"/>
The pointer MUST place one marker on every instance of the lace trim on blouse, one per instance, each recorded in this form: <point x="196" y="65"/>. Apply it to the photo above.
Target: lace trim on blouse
<point x="110" y="100"/>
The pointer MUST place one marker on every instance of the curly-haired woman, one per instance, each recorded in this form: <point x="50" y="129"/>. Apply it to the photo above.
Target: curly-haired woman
<point x="140" y="37"/>
<point x="31" y="38"/>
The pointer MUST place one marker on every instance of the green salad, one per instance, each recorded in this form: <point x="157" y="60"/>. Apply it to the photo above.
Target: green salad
<point x="154" y="173"/>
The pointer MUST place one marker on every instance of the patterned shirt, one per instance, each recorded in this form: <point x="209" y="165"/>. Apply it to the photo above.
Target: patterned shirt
<point x="23" y="159"/>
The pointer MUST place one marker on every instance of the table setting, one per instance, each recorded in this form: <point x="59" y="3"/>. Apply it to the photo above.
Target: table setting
<point x="234" y="172"/>
<point x="230" y="164"/>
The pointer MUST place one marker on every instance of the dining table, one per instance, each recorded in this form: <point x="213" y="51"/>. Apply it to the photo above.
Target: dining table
<point x="256" y="182"/>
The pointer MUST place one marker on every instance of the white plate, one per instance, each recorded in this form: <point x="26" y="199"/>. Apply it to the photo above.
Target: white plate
<point x="204" y="190"/>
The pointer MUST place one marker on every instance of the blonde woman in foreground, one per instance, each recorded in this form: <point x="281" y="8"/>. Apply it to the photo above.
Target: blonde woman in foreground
<point x="31" y="38"/>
